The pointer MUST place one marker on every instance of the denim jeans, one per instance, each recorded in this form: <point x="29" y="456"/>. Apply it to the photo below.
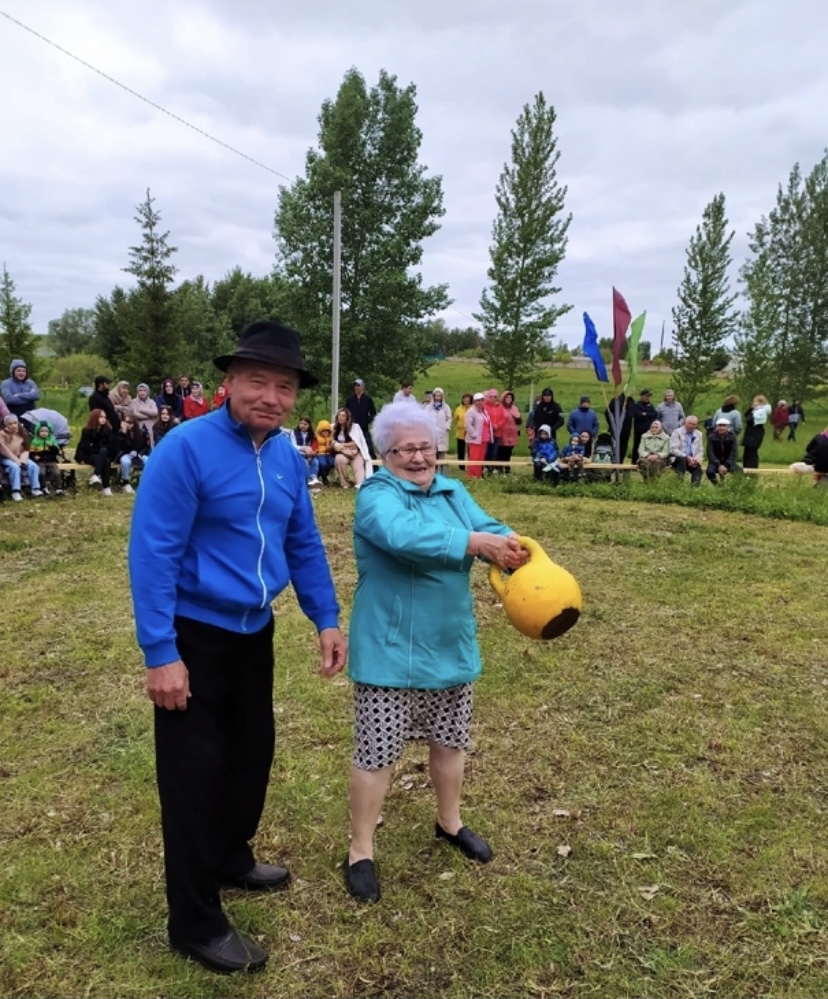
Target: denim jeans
<point x="126" y="463"/>
<point x="324" y="464"/>
<point x="13" y="472"/>
<point x="313" y="467"/>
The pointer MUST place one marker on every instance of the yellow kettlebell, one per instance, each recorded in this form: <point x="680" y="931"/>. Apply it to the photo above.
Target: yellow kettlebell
<point x="541" y="599"/>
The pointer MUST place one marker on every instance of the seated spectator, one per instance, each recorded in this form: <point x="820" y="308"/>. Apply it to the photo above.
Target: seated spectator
<point x="220" y="396"/>
<point x="184" y="388"/>
<point x="585" y="440"/>
<point x="304" y="440"/>
<point x="194" y="403"/>
<point x="14" y="457"/>
<point x="99" y="399"/>
<point x="653" y="450"/>
<point x="97" y="448"/>
<point x="324" y="449"/>
<point x="18" y="391"/>
<point x="144" y="409"/>
<point x="163" y="425"/>
<point x="816" y="459"/>
<point x="721" y="451"/>
<point x="686" y="450"/>
<point x="44" y="449"/>
<point x="573" y="459"/>
<point x="544" y="453"/>
<point x="582" y="418"/>
<point x="169" y="397"/>
<point x="350" y="450"/>
<point x="132" y="448"/>
<point x="57" y="421"/>
<point x="120" y="397"/>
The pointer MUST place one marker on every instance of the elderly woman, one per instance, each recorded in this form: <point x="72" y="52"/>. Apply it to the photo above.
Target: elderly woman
<point x="479" y="434"/>
<point x="441" y="416"/>
<point x="414" y="652"/>
<point x="653" y="450"/>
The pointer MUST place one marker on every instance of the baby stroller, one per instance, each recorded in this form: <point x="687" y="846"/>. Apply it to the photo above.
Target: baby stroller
<point x="601" y="455"/>
<point x="63" y="435"/>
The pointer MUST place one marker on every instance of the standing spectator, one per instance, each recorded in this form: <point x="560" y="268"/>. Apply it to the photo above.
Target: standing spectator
<point x="730" y="411"/>
<point x="14" y="457"/>
<point x="460" y="427"/>
<point x="440" y="415"/>
<point x="653" y="451"/>
<point x="97" y="448"/>
<point x="721" y="451"/>
<point x="19" y="392"/>
<point x="625" y="408"/>
<point x="548" y="412"/>
<point x="205" y="569"/>
<point x="406" y="393"/>
<point x="163" y="425"/>
<point x="361" y="407"/>
<point x="498" y="418"/>
<point x="195" y="404"/>
<point x="510" y="431"/>
<point x="779" y="419"/>
<point x="99" y="399"/>
<point x="184" y="388"/>
<point x="219" y="396"/>
<point x="132" y="448"/>
<point x="479" y="434"/>
<point x="755" y="419"/>
<point x="582" y="418"/>
<point x="169" y="397"/>
<point x="44" y="450"/>
<point x="686" y="448"/>
<point x="144" y="409"/>
<point x="796" y="415"/>
<point x="120" y="398"/>
<point x="643" y="414"/>
<point x="670" y="412"/>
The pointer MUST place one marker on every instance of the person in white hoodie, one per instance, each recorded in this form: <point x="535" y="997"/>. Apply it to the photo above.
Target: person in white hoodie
<point x="439" y="413"/>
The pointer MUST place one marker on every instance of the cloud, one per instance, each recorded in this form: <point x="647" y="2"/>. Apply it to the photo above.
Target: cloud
<point x="660" y="107"/>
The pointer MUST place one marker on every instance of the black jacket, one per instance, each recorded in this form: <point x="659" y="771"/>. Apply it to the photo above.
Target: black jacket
<point x="362" y="409"/>
<point x="101" y="400"/>
<point x="549" y="413"/>
<point x="816" y="453"/>
<point x="722" y="450"/>
<point x="643" y="414"/>
<point x="92" y="441"/>
<point x="137" y="440"/>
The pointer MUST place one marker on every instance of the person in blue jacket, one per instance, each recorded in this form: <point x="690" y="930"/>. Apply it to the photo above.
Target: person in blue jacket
<point x="414" y="652"/>
<point x="18" y="391"/>
<point x="204" y="570"/>
<point x="583" y="418"/>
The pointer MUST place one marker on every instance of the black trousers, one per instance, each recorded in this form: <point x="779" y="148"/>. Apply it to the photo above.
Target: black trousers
<point x="101" y="461"/>
<point x="461" y="452"/>
<point x="504" y="453"/>
<point x="681" y="466"/>
<point x="213" y="764"/>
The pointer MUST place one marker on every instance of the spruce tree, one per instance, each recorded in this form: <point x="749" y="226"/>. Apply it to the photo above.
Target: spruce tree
<point x="17" y="338"/>
<point x="704" y="317"/>
<point x="529" y="239"/>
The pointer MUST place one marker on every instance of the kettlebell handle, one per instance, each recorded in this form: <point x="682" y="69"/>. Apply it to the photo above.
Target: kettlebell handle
<point x="495" y="573"/>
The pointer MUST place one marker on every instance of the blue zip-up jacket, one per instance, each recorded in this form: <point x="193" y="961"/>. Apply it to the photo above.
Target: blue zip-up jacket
<point x="544" y="450"/>
<point x="20" y="397"/>
<point x="581" y="420"/>
<point x="412" y="623"/>
<point x="218" y="531"/>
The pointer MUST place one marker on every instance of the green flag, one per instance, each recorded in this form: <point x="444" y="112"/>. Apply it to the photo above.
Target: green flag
<point x="636" y="329"/>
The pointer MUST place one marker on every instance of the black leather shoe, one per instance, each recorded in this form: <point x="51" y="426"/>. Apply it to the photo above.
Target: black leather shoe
<point x="468" y="842"/>
<point x="361" y="880"/>
<point x="227" y="954"/>
<point x="260" y="877"/>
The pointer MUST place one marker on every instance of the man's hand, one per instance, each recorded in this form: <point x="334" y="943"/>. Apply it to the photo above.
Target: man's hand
<point x="334" y="649"/>
<point x="169" y="686"/>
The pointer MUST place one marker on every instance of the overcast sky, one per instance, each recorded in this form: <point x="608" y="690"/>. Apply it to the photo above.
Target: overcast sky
<point x="660" y="106"/>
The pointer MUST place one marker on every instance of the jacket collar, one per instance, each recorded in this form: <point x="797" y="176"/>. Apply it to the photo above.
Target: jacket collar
<point x="232" y="424"/>
<point x="441" y="483"/>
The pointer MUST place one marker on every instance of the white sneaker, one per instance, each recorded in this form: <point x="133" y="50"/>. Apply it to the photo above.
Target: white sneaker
<point x="16" y="497"/>
<point x="37" y="492"/>
<point x="106" y="492"/>
<point x="314" y="483"/>
<point x="94" y="480"/>
<point x="127" y="488"/>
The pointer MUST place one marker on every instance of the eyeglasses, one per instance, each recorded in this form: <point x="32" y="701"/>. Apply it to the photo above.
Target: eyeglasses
<point x="427" y="450"/>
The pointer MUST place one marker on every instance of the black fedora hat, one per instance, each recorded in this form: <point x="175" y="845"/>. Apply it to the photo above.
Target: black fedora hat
<point x="270" y="343"/>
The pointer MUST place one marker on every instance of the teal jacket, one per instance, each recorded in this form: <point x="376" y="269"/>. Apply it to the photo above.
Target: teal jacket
<point x="412" y="623"/>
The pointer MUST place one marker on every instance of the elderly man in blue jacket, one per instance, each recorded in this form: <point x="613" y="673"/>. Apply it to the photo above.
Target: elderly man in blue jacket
<point x="222" y="523"/>
<point x="583" y="418"/>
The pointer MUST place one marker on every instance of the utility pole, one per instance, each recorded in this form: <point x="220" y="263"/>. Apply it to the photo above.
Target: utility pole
<point x="337" y="295"/>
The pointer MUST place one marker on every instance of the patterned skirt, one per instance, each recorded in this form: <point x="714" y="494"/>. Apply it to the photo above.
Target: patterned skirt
<point x="387" y="718"/>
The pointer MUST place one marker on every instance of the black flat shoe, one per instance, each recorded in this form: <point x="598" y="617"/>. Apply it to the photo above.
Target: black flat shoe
<point x="361" y="880"/>
<point x="260" y="877"/>
<point x="226" y="955"/>
<point x="468" y="842"/>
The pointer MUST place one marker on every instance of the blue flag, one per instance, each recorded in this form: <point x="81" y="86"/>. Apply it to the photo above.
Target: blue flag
<point x="592" y="350"/>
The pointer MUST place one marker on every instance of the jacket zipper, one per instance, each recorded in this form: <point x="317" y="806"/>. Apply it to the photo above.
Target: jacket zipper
<point x="262" y="539"/>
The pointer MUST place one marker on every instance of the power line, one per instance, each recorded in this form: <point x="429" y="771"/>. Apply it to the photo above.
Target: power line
<point x="141" y="97"/>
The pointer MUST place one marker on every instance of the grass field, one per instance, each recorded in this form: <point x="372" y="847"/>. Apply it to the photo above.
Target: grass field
<point x="655" y="783"/>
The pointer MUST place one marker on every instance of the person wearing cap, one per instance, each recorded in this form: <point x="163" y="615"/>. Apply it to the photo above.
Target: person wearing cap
<point x="99" y="399"/>
<point x="479" y="434"/>
<point x="643" y="414"/>
<point x="18" y="391"/>
<point x="195" y="404"/>
<point x="721" y="451"/>
<point x="203" y="579"/>
<point x="582" y="418"/>
<point x="362" y="409"/>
